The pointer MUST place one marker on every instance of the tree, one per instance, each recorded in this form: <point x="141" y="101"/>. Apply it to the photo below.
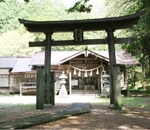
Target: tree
<point x="81" y="6"/>
<point x="12" y="43"/>
<point x="45" y="10"/>
<point x="140" y="48"/>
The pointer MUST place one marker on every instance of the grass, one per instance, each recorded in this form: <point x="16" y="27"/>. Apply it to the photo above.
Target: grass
<point x="139" y="89"/>
<point x="92" y="125"/>
<point x="21" y="106"/>
<point x="100" y="101"/>
<point x="2" y="106"/>
<point x="3" y="115"/>
<point x="142" y="102"/>
<point x="27" y="106"/>
<point x="135" y="102"/>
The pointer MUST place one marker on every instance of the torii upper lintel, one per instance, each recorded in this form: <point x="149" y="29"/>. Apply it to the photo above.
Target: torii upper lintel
<point x="114" y="23"/>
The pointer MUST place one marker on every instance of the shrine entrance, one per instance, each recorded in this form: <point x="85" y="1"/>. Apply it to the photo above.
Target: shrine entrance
<point x="78" y="27"/>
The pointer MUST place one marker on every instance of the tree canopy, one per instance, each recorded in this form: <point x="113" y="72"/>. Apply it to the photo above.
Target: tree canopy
<point x="81" y="6"/>
<point x="140" y="48"/>
<point x="45" y="10"/>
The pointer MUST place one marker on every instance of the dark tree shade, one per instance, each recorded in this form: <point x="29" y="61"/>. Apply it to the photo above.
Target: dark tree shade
<point x="26" y="0"/>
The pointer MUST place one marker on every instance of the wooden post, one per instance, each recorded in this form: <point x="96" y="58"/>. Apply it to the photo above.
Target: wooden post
<point x="52" y="88"/>
<point x="69" y="82"/>
<point x="20" y="89"/>
<point x="101" y="81"/>
<point x="112" y="60"/>
<point x="101" y="84"/>
<point x="10" y="88"/>
<point x="47" y="68"/>
<point x="117" y="87"/>
<point x="39" y="88"/>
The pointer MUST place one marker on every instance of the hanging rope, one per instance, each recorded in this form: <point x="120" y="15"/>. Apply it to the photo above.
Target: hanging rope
<point x="85" y="70"/>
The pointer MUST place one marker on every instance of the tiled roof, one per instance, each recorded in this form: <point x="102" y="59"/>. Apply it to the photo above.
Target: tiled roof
<point x="57" y="57"/>
<point x="22" y="65"/>
<point x="8" y="62"/>
<point x="122" y="57"/>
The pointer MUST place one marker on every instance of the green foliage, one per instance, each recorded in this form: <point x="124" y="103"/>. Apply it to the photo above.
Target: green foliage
<point x="140" y="48"/>
<point x="81" y="6"/>
<point x="2" y="106"/>
<point x="26" y="0"/>
<point x="12" y="43"/>
<point x="13" y="35"/>
<point x="10" y="10"/>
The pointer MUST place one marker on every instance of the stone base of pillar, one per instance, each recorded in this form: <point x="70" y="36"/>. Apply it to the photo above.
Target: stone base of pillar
<point x="111" y="106"/>
<point x="105" y="92"/>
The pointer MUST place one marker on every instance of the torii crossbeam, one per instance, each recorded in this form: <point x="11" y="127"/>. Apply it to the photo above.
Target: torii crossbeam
<point x="78" y="27"/>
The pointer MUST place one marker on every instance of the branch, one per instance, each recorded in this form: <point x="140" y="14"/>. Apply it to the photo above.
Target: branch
<point x="81" y="6"/>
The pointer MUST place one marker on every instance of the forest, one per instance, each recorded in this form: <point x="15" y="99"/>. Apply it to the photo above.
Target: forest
<point x="14" y="39"/>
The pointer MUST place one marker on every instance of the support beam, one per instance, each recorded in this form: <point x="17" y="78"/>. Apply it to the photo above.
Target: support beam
<point x="123" y="40"/>
<point x="37" y="44"/>
<point x="85" y="42"/>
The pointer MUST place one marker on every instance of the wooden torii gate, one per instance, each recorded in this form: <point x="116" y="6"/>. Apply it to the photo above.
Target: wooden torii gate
<point x="78" y="27"/>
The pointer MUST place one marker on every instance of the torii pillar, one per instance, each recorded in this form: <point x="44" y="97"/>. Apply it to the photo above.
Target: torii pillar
<point x="48" y="83"/>
<point x="47" y="70"/>
<point x="112" y="61"/>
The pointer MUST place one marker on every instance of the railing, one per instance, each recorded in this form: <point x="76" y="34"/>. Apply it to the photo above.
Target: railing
<point x="25" y="87"/>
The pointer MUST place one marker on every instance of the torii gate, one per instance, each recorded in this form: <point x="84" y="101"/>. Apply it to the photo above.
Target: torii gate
<point x="78" y="27"/>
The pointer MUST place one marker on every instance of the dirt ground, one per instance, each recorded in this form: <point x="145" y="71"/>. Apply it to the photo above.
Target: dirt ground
<point x="100" y="117"/>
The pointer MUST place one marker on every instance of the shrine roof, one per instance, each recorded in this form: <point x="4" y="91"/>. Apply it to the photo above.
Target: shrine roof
<point x="7" y="62"/>
<point x="22" y="65"/>
<point x="59" y="57"/>
<point x="121" y="22"/>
